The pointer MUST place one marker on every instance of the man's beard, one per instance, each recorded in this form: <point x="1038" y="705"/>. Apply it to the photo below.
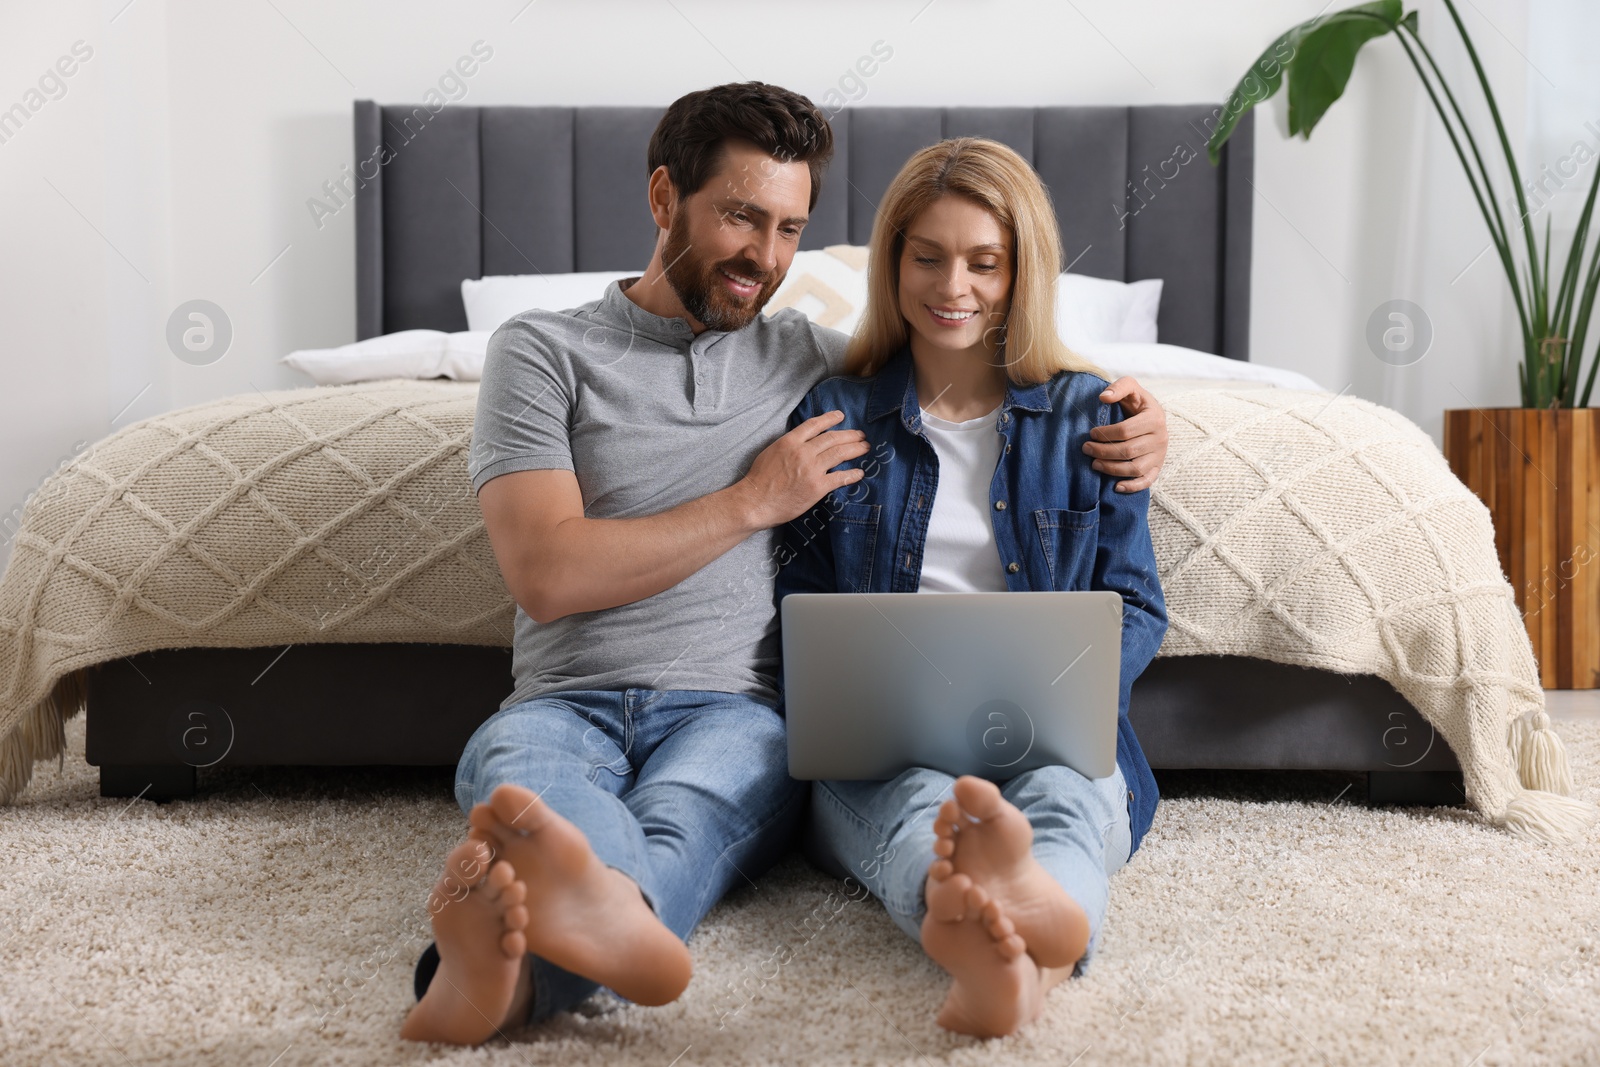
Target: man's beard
<point x="700" y="285"/>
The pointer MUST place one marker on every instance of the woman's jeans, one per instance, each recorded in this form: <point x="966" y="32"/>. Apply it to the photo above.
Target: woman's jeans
<point x="881" y="835"/>
<point x="687" y="793"/>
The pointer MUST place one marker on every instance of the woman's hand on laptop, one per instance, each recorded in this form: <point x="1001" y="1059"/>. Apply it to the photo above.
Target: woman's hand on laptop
<point x="792" y="473"/>
<point x="1135" y="448"/>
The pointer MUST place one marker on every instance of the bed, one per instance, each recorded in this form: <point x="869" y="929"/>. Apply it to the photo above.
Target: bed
<point x="396" y="662"/>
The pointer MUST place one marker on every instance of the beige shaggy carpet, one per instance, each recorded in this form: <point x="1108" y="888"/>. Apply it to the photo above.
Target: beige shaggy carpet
<point x="1269" y="918"/>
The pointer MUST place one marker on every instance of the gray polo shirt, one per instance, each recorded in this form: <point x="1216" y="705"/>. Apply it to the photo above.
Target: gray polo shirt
<point x="647" y="416"/>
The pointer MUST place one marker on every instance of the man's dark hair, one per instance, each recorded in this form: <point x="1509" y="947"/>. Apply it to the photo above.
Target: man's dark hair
<point x="689" y="139"/>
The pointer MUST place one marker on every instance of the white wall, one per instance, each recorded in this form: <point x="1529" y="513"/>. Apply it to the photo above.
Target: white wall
<point x="192" y="139"/>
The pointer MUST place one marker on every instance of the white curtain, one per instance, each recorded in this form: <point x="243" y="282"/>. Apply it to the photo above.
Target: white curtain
<point x="1563" y="106"/>
<point x="1539" y="58"/>
<point x="1563" y="124"/>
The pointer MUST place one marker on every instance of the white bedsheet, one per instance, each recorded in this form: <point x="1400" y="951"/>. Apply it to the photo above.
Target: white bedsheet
<point x="1173" y="364"/>
<point x="424" y="354"/>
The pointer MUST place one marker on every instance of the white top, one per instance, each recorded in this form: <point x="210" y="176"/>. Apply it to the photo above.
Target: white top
<point x="960" y="555"/>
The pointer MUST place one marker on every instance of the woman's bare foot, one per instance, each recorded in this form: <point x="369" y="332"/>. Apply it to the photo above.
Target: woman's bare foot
<point x="995" y="985"/>
<point x="996" y="852"/>
<point x="478" y="919"/>
<point x="586" y="917"/>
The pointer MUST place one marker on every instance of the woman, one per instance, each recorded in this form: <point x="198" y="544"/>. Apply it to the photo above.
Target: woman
<point x="985" y="487"/>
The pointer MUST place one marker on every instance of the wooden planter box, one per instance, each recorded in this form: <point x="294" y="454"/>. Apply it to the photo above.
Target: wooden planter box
<point x="1538" y="472"/>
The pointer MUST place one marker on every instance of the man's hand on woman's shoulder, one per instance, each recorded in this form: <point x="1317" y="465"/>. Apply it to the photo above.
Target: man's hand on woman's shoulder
<point x="1135" y="448"/>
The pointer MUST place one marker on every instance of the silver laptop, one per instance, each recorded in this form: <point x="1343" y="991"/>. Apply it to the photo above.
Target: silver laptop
<point x="989" y="684"/>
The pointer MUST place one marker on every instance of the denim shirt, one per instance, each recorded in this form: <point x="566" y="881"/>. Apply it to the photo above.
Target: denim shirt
<point x="1058" y="523"/>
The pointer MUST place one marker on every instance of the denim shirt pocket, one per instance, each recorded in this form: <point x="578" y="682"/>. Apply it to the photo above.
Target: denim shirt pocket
<point x="1068" y="539"/>
<point x="855" y="539"/>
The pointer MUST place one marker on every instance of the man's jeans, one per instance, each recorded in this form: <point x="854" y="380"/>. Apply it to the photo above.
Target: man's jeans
<point x="881" y="834"/>
<point x="687" y="793"/>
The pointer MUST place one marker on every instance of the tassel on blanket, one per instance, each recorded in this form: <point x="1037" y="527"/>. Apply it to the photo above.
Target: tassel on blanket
<point x="1544" y="809"/>
<point x="1547" y="817"/>
<point x="42" y="733"/>
<point x="1540" y="755"/>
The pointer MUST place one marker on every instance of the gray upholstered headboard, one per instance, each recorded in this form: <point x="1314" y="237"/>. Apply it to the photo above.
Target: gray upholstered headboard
<point x="469" y="191"/>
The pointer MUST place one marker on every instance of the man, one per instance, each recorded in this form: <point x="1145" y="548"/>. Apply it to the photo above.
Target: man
<point x="632" y="467"/>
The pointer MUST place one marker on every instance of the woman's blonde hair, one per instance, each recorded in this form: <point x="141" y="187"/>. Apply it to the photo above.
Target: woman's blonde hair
<point x="995" y="177"/>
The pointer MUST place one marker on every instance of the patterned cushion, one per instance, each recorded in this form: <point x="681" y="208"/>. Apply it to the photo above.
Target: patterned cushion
<point x="828" y="286"/>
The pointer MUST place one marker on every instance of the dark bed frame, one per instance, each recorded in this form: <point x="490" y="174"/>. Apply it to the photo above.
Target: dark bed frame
<point x="464" y="192"/>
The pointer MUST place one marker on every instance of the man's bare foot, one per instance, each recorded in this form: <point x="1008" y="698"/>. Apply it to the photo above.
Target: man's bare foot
<point x="586" y="917"/>
<point x="996" y="852"/>
<point x="478" y="919"/>
<point x="995" y="985"/>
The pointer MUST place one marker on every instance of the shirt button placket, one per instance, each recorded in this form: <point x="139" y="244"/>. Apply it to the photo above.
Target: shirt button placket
<point x="704" y="400"/>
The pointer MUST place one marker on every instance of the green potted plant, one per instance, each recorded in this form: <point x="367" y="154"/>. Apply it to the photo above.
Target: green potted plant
<point x="1536" y="467"/>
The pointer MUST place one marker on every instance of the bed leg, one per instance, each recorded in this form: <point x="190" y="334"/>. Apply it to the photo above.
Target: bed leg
<point x="1416" y="788"/>
<point x="149" y="781"/>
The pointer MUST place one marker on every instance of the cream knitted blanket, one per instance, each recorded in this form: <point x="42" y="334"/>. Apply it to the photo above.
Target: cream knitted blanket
<point x="1290" y="526"/>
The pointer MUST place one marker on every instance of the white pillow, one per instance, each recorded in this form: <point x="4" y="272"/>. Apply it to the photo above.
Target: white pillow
<point x="1101" y="311"/>
<point x="1173" y="361"/>
<point x="493" y="299"/>
<point x="406" y="354"/>
<point x="828" y="286"/>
